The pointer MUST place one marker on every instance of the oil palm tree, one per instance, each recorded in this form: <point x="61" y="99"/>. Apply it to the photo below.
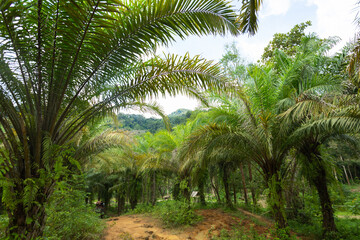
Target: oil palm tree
<point x="63" y="63"/>
<point x="167" y="145"/>
<point x="310" y="90"/>
<point x="246" y="127"/>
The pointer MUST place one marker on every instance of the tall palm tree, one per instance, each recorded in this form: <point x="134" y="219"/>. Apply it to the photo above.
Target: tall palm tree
<point x="310" y="88"/>
<point x="247" y="128"/>
<point x="63" y="63"/>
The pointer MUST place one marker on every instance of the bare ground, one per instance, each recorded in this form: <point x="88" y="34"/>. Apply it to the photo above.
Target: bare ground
<point x="214" y="220"/>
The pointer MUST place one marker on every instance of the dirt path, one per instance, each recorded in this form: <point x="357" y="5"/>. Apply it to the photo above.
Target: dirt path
<point x="143" y="227"/>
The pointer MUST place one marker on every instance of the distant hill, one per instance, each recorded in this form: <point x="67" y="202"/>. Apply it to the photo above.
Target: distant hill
<point x="179" y="112"/>
<point x="140" y="123"/>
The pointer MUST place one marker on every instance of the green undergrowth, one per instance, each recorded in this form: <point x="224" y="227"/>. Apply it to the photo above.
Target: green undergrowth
<point x="4" y="220"/>
<point x="307" y="223"/>
<point x="68" y="217"/>
<point x="238" y="233"/>
<point x="255" y="209"/>
<point x="348" y="229"/>
<point x="242" y="233"/>
<point x="172" y="213"/>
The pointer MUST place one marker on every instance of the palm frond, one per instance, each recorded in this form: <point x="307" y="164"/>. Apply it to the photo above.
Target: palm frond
<point x="248" y="17"/>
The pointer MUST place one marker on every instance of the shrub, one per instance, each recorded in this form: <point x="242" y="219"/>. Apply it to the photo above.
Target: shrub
<point x="70" y="218"/>
<point x="348" y="228"/>
<point x="141" y="208"/>
<point x="176" y="213"/>
<point x="353" y="205"/>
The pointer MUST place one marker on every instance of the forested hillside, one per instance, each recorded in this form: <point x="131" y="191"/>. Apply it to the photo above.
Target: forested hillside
<point x="139" y="122"/>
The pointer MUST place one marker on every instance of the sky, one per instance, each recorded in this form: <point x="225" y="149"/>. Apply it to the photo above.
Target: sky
<point x="328" y="17"/>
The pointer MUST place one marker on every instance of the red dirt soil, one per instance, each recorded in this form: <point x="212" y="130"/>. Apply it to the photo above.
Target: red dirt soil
<point x="214" y="220"/>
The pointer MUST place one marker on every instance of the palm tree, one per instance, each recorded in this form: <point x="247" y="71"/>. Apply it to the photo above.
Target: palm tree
<point x="119" y="169"/>
<point x="64" y="63"/>
<point x="167" y="145"/>
<point x="246" y="127"/>
<point x="309" y="91"/>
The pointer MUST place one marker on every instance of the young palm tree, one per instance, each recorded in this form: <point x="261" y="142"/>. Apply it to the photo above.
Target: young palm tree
<point x="63" y="63"/>
<point x="167" y="145"/>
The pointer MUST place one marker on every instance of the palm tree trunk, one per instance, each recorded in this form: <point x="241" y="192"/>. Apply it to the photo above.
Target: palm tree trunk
<point x="19" y="226"/>
<point x="201" y="186"/>
<point x="252" y="189"/>
<point x="28" y="222"/>
<point x="277" y="201"/>
<point x="153" y="197"/>
<point x="234" y="192"/>
<point x="319" y="180"/>
<point x="226" y="186"/>
<point x="215" y="189"/>
<point x="107" y="197"/>
<point x="352" y="179"/>
<point x="244" y="183"/>
<point x="148" y="189"/>
<point x="143" y="190"/>
<point x="186" y="191"/>
<point x="133" y="191"/>
<point x="121" y="202"/>
<point x="176" y="190"/>
<point x="355" y="172"/>
<point x="327" y="211"/>
<point x="346" y="175"/>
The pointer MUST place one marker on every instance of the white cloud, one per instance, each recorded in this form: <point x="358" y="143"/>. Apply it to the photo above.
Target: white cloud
<point x="250" y="48"/>
<point x="274" y="7"/>
<point x="335" y="18"/>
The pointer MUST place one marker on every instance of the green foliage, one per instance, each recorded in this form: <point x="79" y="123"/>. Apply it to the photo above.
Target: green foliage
<point x="172" y="213"/>
<point x="308" y="220"/>
<point x="348" y="229"/>
<point x="287" y="42"/>
<point x="238" y="233"/>
<point x="69" y="217"/>
<point x="353" y="204"/>
<point x="141" y="208"/>
<point x="282" y="234"/>
<point x="30" y="192"/>
<point x="248" y="16"/>
<point x="176" y="213"/>
<point x="139" y="122"/>
<point x="4" y="220"/>
<point x="8" y="197"/>
<point x="234" y="65"/>
<point x="63" y="65"/>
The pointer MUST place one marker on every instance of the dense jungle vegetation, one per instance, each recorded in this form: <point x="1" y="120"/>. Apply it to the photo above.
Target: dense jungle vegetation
<point x="279" y="137"/>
